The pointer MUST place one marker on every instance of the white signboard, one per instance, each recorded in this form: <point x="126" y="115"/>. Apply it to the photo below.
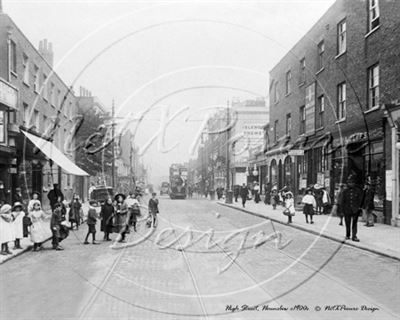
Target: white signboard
<point x="389" y="184"/>
<point x="8" y="95"/>
<point x="296" y="152"/>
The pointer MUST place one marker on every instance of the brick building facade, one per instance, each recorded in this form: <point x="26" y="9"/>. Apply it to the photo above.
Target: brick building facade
<point x="46" y="108"/>
<point x="328" y="98"/>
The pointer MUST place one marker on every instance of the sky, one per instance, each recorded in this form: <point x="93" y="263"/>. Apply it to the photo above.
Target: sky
<point x="172" y="56"/>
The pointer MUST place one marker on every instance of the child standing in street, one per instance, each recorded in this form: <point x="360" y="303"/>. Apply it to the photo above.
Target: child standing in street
<point x="309" y="205"/>
<point x="153" y="209"/>
<point x="91" y="222"/>
<point x="6" y="228"/>
<point x="18" y="216"/>
<point x="38" y="234"/>
<point x="289" y="206"/>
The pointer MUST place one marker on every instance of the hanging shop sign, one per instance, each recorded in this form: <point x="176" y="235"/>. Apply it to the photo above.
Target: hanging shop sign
<point x="310" y="109"/>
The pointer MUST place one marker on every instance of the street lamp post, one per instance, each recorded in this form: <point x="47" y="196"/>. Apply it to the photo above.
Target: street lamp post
<point x="228" y="198"/>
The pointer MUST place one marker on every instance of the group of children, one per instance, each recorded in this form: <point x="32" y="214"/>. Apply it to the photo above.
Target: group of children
<point x="119" y="217"/>
<point x="309" y="204"/>
<point x="16" y="224"/>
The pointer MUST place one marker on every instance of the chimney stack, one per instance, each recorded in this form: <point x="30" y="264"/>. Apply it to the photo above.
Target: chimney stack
<point x="46" y="50"/>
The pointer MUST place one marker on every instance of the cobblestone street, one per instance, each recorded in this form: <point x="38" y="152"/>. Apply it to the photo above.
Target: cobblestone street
<point x="145" y="281"/>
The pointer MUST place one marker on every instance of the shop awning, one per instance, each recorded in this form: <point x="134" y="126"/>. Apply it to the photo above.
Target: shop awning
<point x="53" y="153"/>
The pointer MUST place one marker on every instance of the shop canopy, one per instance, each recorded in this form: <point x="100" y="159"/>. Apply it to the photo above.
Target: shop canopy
<point x="53" y="153"/>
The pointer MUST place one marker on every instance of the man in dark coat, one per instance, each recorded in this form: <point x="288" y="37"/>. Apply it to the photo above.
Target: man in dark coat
<point x="244" y="193"/>
<point x="351" y="202"/>
<point x="53" y="196"/>
<point x="236" y="192"/>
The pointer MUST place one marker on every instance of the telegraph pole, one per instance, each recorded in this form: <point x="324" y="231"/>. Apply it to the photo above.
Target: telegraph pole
<point x="113" y="145"/>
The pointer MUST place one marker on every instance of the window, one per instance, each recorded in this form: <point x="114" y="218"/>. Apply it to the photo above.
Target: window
<point x="36" y="120"/>
<point x="44" y="88"/>
<point x="302" y="119"/>
<point x="13" y="57"/>
<point x="320" y="112"/>
<point x="36" y="79"/>
<point x="59" y="98"/>
<point x="373" y="17"/>
<point x="302" y="71"/>
<point x="341" y="108"/>
<point x="275" y="92"/>
<point x="288" y="81"/>
<point x="26" y="115"/>
<point x="25" y="64"/>
<point x="321" y="50"/>
<point x="288" y="124"/>
<point x="12" y="116"/>
<point x="341" y="37"/>
<point x="373" y="87"/>
<point x="52" y="94"/>
<point x="276" y="130"/>
<point x="374" y="160"/>
<point x="2" y="127"/>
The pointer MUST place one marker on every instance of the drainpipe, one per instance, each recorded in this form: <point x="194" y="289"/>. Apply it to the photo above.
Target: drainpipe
<point x="395" y="178"/>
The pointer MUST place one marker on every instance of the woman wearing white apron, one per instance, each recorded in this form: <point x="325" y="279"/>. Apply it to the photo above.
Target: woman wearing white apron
<point x="6" y="228"/>
<point x="18" y="216"/>
<point x="38" y="233"/>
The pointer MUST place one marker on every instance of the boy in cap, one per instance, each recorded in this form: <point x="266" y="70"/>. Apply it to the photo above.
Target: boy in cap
<point x="91" y="222"/>
<point x="55" y="225"/>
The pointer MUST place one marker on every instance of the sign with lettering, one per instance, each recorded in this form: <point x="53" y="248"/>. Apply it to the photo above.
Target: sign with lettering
<point x="295" y="152"/>
<point x="8" y="95"/>
<point x="310" y="109"/>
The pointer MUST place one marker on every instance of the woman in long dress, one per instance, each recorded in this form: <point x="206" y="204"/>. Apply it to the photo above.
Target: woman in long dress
<point x="38" y="232"/>
<point x="6" y="228"/>
<point x="18" y="216"/>
<point x="121" y="217"/>
<point x="106" y="215"/>
<point x="75" y="208"/>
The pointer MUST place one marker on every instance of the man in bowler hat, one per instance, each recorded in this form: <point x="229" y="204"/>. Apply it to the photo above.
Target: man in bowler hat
<point x="351" y="202"/>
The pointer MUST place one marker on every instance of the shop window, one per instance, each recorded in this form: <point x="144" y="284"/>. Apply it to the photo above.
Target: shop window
<point x="375" y="162"/>
<point x="2" y="127"/>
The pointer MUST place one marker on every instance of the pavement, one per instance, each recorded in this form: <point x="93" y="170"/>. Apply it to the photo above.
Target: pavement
<point x="27" y="244"/>
<point x="381" y="239"/>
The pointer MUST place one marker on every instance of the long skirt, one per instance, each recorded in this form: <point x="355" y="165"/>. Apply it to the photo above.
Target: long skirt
<point x="6" y="231"/>
<point x="38" y="233"/>
<point x="18" y="226"/>
<point x="308" y="209"/>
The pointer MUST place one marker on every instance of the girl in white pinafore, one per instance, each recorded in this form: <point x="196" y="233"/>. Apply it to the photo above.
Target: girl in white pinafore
<point x="18" y="216"/>
<point x="38" y="233"/>
<point x="6" y="228"/>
